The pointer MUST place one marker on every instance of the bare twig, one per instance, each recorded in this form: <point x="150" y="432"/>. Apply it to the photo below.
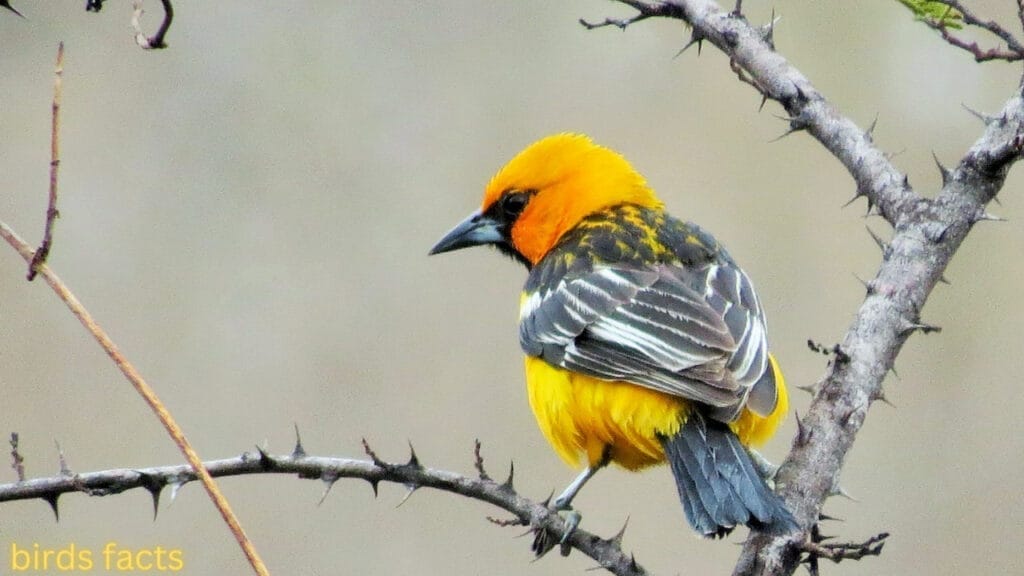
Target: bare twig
<point x="17" y="461"/>
<point x="606" y="552"/>
<point x="840" y="551"/>
<point x="980" y="54"/>
<point x="155" y="41"/>
<point x="65" y="470"/>
<point x="478" y="461"/>
<point x="1020" y="12"/>
<point x="144" y="390"/>
<point x="620" y="23"/>
<point x="51" y="210"/>
<point x="989" y="25"/>
<point x="1014" y="49"/>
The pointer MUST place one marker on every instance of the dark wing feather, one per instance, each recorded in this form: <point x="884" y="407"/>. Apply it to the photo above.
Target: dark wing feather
<point x="653" y="327"/>
<point x="729" y="291"/>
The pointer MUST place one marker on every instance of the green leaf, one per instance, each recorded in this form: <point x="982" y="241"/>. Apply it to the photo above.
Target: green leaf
<point x="935" y="12"/>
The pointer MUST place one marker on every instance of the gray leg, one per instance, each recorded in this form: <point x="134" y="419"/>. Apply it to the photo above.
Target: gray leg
<point x="564" y="500"/>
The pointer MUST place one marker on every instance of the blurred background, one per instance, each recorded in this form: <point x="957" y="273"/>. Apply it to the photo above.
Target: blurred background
<point x="248" y="214"/>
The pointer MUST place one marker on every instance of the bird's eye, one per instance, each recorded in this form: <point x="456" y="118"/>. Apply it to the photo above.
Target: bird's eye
<point x="513" y="203"/>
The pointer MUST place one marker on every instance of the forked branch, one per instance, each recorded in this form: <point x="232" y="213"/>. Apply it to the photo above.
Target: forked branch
<point x="927" y="233"/>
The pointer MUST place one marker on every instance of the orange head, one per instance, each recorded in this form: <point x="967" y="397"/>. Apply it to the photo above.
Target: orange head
<point x="545" y="191"/>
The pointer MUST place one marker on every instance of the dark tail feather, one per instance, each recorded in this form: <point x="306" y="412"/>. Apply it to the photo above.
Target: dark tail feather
<point x="717" y="482"/>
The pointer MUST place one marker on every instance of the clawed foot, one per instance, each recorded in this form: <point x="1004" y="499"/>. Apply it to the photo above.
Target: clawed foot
<point x="544" y="540"/>
<point x="572" y="520"/>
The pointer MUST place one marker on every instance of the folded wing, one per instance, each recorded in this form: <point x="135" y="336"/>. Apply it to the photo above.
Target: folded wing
<point x="694" y="333"/>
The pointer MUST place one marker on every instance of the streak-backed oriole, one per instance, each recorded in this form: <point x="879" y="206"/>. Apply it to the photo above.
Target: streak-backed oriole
<point x="645" y="342"/>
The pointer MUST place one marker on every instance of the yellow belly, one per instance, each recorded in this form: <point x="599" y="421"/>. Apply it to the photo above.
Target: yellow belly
<point x="582" y="417"/>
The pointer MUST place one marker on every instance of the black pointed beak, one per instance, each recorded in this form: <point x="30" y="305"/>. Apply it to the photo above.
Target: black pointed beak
<point x="475" y="230"/>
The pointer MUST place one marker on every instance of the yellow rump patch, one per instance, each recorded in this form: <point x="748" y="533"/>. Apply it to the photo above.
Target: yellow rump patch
<point x="581" y="416"/>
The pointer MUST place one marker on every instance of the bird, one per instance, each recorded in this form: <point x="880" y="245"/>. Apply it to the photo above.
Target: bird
<point x="645" y="342"/>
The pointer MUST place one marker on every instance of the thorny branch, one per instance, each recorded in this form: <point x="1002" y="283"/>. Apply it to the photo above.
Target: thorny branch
<point x="927" y="233"/>
<point x="537" y="516"/>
